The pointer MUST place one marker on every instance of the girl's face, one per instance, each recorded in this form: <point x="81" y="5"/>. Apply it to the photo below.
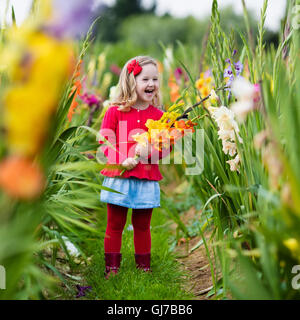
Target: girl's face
<point x="147" y="84"/>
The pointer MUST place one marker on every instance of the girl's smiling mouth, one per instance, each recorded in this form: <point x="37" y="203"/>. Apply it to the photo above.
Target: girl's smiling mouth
<point x="149" y="91"/>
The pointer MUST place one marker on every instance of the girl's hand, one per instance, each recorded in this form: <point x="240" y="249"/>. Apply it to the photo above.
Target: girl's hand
<point x="142" y="151"/>
<point x="129" y="163"/>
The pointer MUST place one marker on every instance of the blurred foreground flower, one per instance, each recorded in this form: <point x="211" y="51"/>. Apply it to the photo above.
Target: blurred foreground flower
<point x="293" y="245"/>
<point x="247" y="96"/>
<point x="70" y="18"/>
<point x="21" y="178"/>
<point x="38" y="66"/>
<point x="272" y="161"/>
<point x="260" y="139"/>
<point x="37" y="78"/>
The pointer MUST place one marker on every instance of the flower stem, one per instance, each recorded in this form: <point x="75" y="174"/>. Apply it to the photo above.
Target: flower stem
<point x="197" y="104"/>
<point x="136" y="157"/>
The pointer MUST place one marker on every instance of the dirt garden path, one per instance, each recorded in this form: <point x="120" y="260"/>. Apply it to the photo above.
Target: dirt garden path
<point x="194" y="262"/>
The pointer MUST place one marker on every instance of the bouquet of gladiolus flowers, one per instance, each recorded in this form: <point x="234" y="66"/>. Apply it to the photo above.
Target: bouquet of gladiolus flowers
<point x="163" y="133"/>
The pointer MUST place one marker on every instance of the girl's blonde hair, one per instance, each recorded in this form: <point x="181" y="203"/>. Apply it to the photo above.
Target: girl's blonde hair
<point x="126" y="89"/>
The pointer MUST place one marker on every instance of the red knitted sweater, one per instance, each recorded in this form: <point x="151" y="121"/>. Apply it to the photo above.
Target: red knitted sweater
<point x="118" y="127"/>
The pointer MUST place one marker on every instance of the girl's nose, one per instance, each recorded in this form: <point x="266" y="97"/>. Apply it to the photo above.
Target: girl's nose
<point x="151" y="83"/>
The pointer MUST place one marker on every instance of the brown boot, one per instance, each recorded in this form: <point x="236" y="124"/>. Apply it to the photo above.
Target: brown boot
<point x="112" y="263"/>
<point x="142" y="261"/>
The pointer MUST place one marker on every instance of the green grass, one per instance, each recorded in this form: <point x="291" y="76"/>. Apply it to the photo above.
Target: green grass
<point x="165" y="282"/>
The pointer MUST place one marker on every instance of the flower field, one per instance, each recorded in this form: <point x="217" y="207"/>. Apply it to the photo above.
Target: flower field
<point x="241" y="102"/>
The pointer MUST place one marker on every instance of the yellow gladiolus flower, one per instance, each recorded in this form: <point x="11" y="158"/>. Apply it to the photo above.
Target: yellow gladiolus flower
<point x="291" y="244"/>
<point x="200" y="83"/>
<point x="141" y="138"/>
<point x="208" y="80"/>
<point x="204" y="84"/>
<point x="213" y="97"/>
<point x="175" y="106"/>
<point x="168" y="119"/>
<point x="39" y="75"/>
<point x="204" y="91"/>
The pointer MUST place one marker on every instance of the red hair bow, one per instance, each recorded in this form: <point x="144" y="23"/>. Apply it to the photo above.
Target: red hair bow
<point x="135" y="67"/>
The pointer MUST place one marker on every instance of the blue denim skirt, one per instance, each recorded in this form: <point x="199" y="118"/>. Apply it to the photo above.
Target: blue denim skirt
<point x="135" y="193"/>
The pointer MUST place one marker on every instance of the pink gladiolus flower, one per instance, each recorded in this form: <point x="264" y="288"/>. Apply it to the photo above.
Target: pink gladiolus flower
<point x="179" y="73"/>
<point x="256" y="97"/>
<point x="115" y="69"/>
<point x="90" y="99"/>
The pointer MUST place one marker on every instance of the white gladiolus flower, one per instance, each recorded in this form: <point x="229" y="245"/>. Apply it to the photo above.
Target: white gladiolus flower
<point x="229" y="135"/>
<point x="220" y="112"/>
<point x="260" y="139"/>
<point x="225" y="123"/>
<point x="243" y="89"/>
<point x="106" y="103"/>
<point x="112" y="92"/>
<point x="229" y="148"/>
<point x="245" y="92"/>
<point x="224" y="117"/>
<point x="242" y="108"/>
<point x="228" y="131"/>
<point x="169" y="58"/>
<point x="234" y="163"/>
<point x="226" y="135"/>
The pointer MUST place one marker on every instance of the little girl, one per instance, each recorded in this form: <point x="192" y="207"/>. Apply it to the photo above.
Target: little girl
<point x="137" y="101"/>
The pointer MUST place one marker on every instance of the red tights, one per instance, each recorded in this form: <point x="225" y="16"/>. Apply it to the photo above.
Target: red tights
<point x="116" y="220"/>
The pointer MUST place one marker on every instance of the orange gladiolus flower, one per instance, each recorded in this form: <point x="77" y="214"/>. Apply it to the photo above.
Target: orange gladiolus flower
<point x="190" y="125"/>
<point x="77" y="89"/>
<point x="175" y="134"/>
<point x="160" y="67"/>
<point x="174" y="89"/>
<point x="20" y="178"/>
<point x="164" y="132"/>
<point x="180" y="124"/>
